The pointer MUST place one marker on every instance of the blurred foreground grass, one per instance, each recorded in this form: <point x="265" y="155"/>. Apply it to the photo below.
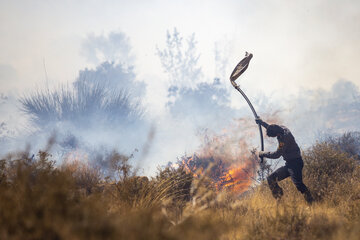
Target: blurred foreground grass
<point x="74" y="201"/>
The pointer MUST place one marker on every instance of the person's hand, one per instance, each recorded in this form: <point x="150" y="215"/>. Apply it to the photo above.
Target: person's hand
<point x="261" y="154"/>
<point x="258" y="120"/>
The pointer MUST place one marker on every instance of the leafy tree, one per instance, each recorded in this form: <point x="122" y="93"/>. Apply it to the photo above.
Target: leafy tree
<point x="180" y="61"/>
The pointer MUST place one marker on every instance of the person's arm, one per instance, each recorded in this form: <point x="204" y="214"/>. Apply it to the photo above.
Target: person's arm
<point x="273" y="155"/>
<point x="261" y="122"/>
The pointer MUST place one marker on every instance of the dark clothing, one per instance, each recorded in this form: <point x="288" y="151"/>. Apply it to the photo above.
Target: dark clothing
<point x="290" y="151"/>
<point x="293" y="170"/>
<point x="287" y="148"/>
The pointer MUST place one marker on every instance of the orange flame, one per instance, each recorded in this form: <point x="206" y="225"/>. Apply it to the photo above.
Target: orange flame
<point x="233" y="166"/>
<point x="235" y="178"/>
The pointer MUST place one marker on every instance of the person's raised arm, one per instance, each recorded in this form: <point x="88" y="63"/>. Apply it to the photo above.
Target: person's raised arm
<point x="261" y="122"/>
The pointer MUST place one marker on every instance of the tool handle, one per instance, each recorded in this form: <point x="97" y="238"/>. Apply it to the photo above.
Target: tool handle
<point x="255" y="115"/>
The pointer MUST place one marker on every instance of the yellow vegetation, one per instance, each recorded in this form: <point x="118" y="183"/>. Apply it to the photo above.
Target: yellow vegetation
<point x="41" y="201"/>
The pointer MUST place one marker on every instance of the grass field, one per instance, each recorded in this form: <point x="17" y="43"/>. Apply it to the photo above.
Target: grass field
<point x="75" y="201"/>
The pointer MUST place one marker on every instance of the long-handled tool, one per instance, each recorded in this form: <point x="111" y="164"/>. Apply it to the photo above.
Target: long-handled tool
<point x="240" y="69"/>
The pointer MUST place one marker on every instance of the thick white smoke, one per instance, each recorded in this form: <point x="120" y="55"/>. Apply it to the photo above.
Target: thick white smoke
<point x="189" y="109"/>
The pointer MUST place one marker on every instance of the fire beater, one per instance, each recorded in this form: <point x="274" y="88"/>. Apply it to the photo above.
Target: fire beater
<point x="288" y="147"/>
<point x="240" y="69"/>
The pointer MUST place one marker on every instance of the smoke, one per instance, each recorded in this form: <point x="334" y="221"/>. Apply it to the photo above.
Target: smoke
<point x="8" y="78"/>
<point x="207" y="106"/>
<point x="179" y="60"/>
<point x="191" y="97"/>
<point x="225" y="157"/>
<point x="311" y="114"/>
<point x="11" y="120"/>
<point x="92" y="113"/>
<point x="99" y="112"/>
<point x="315" y="113"/>
<point x="114" y="47"/>
<point x="193" y="105"/>
<point x="114" y="76"/>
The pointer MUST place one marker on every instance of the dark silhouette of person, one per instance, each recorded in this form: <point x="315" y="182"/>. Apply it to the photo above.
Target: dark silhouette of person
<point x="294" y="164"/>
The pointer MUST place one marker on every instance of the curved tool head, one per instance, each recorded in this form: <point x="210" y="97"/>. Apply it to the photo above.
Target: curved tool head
<point x="240" y="68"/>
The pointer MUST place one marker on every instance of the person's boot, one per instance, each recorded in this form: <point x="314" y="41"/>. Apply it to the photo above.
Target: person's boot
<point x="308" y="197"/>
<point x="277" y="192"/>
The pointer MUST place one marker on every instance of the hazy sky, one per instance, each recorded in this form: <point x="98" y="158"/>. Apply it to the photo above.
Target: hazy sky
<point x="295" y="43"/>
<point x="297" y="46"/>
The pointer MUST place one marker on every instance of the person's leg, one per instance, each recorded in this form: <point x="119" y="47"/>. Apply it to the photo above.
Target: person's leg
<point x="295" y="171"/>
<point x="280" y="174"/>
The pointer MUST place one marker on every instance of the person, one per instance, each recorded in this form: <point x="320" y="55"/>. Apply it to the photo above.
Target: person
<point x="290" y="151"/>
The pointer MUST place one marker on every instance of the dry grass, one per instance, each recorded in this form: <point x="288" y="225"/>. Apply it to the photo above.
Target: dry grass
<point x="41" y="201"/>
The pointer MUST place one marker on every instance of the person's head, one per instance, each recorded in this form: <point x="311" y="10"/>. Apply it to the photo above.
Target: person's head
<point x="274" y="130"/>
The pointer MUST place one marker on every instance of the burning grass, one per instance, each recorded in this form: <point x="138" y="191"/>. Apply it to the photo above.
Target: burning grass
<point x="76" y="201"/>
<point x="230" y="165"/>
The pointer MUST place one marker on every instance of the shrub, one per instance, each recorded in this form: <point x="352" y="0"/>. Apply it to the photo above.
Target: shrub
<point x="327" y="168"/>
<point x="85" y="177"/>
<point x="81" y="104"/>
<point x="38" y="201"/>
<point x="348" y="142"/>
<point x="41" y="201"/>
